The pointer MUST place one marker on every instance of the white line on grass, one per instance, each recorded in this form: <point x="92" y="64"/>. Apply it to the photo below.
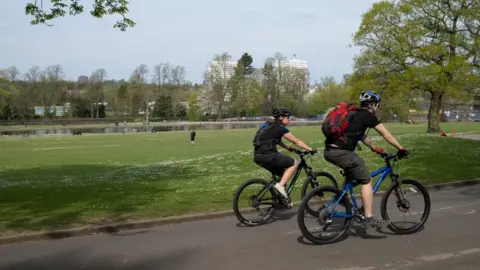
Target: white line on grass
<point x="73" y="147"/>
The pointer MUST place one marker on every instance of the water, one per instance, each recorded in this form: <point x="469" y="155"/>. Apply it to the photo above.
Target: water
<point x="143" y="128"/>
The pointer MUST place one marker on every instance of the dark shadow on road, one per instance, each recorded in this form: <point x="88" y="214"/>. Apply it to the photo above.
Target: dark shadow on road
<point x="85" y="259"/>
<point x="279" y="216"/>
<point x="56" y="197"/>
<point x="355" y="230"/>
<point x="282" y="215"/>
<point x="363" y="233"/>
<point x="387" y="231"/>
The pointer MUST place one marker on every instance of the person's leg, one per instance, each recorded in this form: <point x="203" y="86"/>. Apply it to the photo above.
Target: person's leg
<point x="289" y="165"/>
<point x="359" y="172"/>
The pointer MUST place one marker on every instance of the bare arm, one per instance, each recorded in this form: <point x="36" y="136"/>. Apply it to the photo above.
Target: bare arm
<point x="380" y="128"/>
<point x="284" y="146"/>
<point x="368" y="142"/>
<point x="289" y="136"/>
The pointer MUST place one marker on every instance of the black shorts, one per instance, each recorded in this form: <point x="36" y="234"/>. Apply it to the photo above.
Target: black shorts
<point x="351" y="163"/>
<point x="274" y="162"/>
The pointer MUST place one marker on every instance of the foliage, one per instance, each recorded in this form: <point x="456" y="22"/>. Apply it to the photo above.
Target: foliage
<point x="326" y="96"/>
<point x="419" y="45"/>
<point x="193" y="112"/>
<point x="61" y="8"/>
<point x="164" y="107"/>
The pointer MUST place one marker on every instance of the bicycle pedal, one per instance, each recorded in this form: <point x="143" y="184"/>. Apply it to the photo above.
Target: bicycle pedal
<point x="286" y="202"/>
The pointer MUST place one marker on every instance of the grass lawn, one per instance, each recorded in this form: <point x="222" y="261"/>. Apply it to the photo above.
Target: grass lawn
<point x="63" y="181"/>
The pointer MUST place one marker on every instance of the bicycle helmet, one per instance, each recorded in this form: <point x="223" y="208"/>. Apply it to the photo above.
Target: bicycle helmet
<point x="369" y="97"/>
<point x="281" y="112"/>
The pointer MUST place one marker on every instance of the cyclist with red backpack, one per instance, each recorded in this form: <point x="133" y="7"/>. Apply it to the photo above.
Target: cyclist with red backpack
<point x="343" y="128"/>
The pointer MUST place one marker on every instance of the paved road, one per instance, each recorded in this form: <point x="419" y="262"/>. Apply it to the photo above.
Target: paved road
<point x="471" y="136"/>
<point x="451" y="240"/>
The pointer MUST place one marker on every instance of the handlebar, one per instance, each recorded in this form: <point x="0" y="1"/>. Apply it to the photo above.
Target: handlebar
<point x="303" y="153"/>
<point x="388" y="157"/>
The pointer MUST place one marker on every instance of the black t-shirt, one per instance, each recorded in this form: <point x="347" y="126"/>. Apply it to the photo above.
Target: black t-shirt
<point x="269" y="137"/>
<point x="192" y="135"/>
<point x="362" y="120"/>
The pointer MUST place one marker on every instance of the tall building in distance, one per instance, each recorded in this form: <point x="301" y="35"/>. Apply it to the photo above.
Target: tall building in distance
<point x="294" y="63"/>
<point x="226" y="70"/>
<point x="222" y="70"/>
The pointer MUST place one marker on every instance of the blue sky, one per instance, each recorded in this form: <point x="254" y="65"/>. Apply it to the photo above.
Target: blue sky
<point x="186" y="33"/>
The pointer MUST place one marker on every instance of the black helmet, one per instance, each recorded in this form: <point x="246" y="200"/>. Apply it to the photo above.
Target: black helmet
<point x="281" y="112"/>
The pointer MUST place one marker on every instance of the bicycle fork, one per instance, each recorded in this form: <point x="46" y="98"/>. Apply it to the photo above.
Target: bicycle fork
<point x="402" y="201"/>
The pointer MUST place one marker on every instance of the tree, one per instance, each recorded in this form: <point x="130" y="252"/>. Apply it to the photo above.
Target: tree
<point x="269" y="85"/>
<point x="163" y="107"/>
<point x="8" y="90"/>
<point x="327" y="95"/>
<point x="218" y="76"/>
<point x="294" y="87"/>
<point x="139" y="80"/>
<point x="124" y="99"/>
<point x="97" y="90"/>
<point x="193" y="112"/>
<point x="420" y="45"/>
<point x="242" y="87"/>
<point x="178" y="75"/>
<point x="60" y="8"/>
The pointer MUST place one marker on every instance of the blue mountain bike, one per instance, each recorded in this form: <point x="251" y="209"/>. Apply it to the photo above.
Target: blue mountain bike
<point x="337" y="197"/>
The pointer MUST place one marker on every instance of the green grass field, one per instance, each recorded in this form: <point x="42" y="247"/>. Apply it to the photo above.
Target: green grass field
<point x="63" y="181"/>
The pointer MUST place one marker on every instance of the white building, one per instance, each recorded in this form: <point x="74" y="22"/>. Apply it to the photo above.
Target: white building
<point x="294" y="63"/>
<point x="222" y="70"/>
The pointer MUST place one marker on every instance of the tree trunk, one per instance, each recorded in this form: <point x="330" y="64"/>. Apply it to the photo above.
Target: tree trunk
<point x="146" y="111"/>
<point x="98" y="109"/>
<point x="434" y="112"/>
<point x="219" y="112"/>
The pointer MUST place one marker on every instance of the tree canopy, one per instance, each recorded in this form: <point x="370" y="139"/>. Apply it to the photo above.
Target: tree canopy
<point x="59" y="8"/>
<point x="420" y="45"/>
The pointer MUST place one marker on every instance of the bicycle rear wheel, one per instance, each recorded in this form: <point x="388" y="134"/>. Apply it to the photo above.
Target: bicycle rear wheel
<point x="263" y="197"/>
<point x="319" y="178"/>
<point x="404" y="204"/>
<point x="322" y="220"/>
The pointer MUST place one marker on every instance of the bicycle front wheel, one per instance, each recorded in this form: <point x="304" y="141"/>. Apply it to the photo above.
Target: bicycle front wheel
<point x="313" y="181"/>
<point x="410" y="192"/>
<point x="254" y="200"/>
<point x="323" y="227"/>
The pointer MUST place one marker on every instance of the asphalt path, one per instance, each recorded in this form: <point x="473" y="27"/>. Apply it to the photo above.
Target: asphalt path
<point x="450" y="240"/>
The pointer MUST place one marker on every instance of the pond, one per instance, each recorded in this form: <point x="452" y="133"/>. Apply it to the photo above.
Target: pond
<point x="135" y="128"/>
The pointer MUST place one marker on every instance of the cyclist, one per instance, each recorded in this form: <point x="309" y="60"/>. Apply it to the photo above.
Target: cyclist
<point x="340" y="151"/>
<point x="266" y="155"/>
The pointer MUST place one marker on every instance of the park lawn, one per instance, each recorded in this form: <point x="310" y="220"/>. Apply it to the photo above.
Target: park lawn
<point x="54" y="182"/>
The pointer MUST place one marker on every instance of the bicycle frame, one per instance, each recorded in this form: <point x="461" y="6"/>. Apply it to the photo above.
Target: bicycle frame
<point x="383" y="172"/>
<point x="302" y="165"/>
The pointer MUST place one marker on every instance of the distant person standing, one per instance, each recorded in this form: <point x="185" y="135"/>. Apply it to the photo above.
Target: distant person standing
<point x="192" y="137"/>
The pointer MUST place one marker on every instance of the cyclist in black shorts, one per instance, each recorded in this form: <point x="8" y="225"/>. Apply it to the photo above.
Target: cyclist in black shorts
<point x="265" y="152"/>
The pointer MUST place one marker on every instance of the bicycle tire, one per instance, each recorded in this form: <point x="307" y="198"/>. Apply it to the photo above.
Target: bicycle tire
<point x="236" y="197"/>
<point x="302" y="208"/>
<point x="426" y="199"/>
<point x="308" y="182"/>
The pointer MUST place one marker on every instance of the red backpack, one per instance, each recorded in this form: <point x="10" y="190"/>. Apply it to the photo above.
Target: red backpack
<point x="338" y="119"/>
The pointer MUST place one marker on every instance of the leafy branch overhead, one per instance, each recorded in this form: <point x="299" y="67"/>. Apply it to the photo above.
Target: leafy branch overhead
<point x="59" y="8"/>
